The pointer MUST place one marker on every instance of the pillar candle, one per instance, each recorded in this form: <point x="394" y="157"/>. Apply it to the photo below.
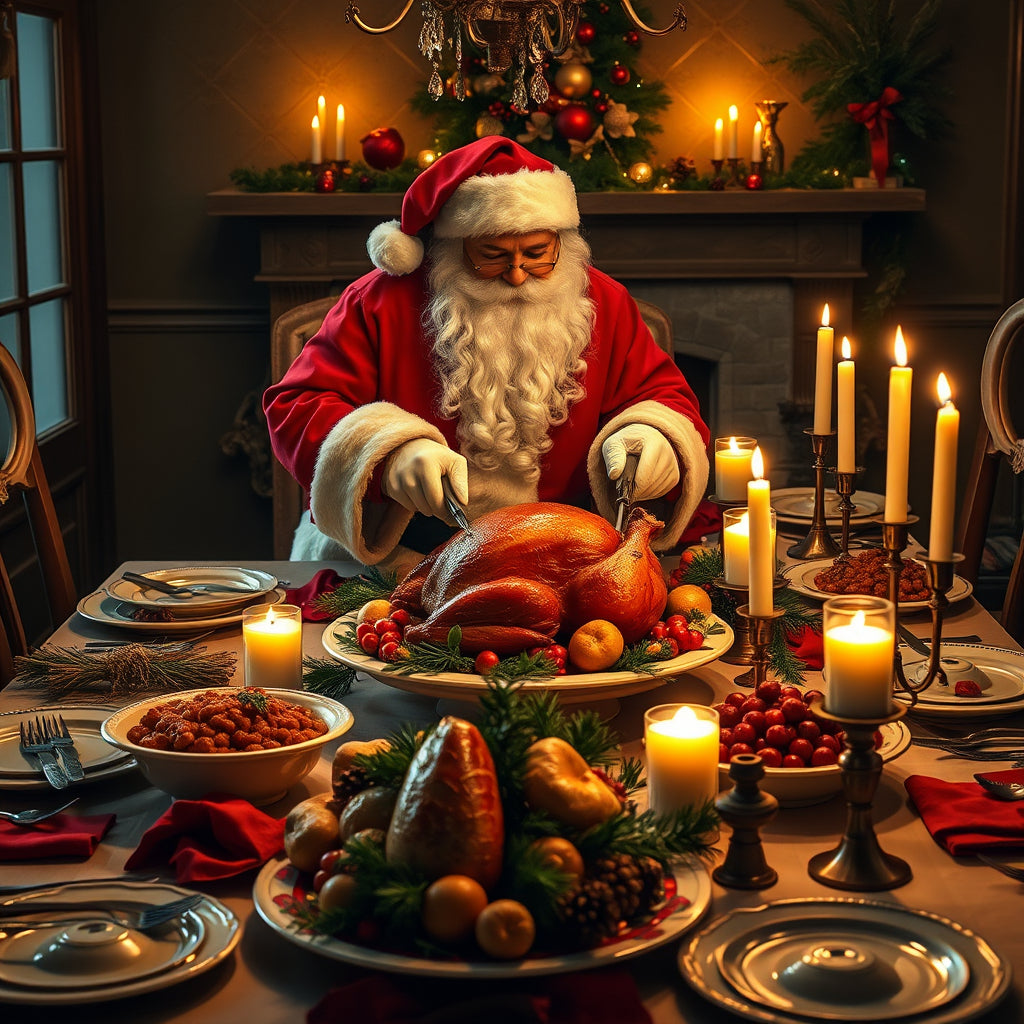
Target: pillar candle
<point x="733" y="133"/>
<point x="718" y="140"/>
<point x="947" y="428"/>
<point x="897" y="462"/>
<point x="316" y="150"/>
<point x="858" y="669"/>
<point x="846" y="400"/>
<point x="339" y="134"/>
<point x="681" y="744"/>
<point x="823" y="376"/>
<point x="762" y="550"/>
<point x="755" y="144"/>
<point x="272" y="642"/>
<point x="736" y="550"/>
<point x="732" y="469"/>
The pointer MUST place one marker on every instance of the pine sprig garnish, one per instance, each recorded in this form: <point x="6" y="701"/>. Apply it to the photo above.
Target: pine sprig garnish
<point x="353" y="593"/>
<point x="255" y="699"/>
<point x="388" y="767"/>
<point x="345" y="635"/>
<point x="664" y="837"/>
<point x="434" y="659"/>
<point x="588" y="733"/>
<point x="533" y="881"/>
<point x="518" y="668"/>
<point x="630" y="774"/>
<point x="641" y="657"/>
<point x="327" y="677"/>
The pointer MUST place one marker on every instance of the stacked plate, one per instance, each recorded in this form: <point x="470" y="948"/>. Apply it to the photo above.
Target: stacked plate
<point x="795" y="505"/>
<point x="852" y="960"/>
<point x="101" y="760"/>
<point x="75" y="944"/>
<point x="219" y="595"/>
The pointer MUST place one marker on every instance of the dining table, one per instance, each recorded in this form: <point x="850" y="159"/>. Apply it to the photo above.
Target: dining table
<point x="271" y="980"/>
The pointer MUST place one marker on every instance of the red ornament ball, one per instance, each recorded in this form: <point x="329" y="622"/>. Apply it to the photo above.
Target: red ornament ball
<point x="574" y="122"/>
<point x="585" y="33"/>
<point x="325" y="181"/>
<point x="383" y="148"/>
<point x="631" y="38"/>
<point x="619" y="75"/>
<point x="754" y="182"/>
<point x="601" y="108"/>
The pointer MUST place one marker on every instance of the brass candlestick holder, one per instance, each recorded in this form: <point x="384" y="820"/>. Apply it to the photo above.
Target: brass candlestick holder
<point x="858" y="863"/>
<point x="894" y="540"/>
<point x="742" y="650"/>
<point x="745" y="808"/>
<point x="846" y="487"/>
<point x="733" y="181"/>
<point x="759" y="635"/>
<point x="717" y="164"/>
<point x="818" y="543"/>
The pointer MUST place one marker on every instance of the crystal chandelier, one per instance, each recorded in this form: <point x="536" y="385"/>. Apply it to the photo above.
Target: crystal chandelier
<point x="515" y="34"/>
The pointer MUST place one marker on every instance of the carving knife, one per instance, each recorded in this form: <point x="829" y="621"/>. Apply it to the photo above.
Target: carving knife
<point x="455" y="510"/>
<point x="627" y="481"/>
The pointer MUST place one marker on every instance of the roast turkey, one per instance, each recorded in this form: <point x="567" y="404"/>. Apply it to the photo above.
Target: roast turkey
<point x="530" y="573"/>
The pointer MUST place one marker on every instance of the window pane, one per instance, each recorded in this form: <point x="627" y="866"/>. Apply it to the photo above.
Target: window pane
<point x="8" y="263"/>
<point x="49" y="370"/>
<point x="5" y="114"/>
<point x="37" y="81"/>
<point x="9" y="339"/>
<point x="43" y="216"/>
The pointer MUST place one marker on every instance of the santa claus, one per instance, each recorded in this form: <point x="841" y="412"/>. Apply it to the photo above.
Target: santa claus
<point x="503" y="360"/>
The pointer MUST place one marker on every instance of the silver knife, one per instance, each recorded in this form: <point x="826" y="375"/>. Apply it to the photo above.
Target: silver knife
<point x="64" y="745"/>
<point x="45" y="762"/>
<point x="455" y="510"/>
<point x="626" y="482"/>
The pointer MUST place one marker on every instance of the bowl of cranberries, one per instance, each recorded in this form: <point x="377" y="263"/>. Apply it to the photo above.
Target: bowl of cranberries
<point x="799" y="750"/>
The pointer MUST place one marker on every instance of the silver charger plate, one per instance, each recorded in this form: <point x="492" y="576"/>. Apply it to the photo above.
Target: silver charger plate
<point x="245" y="585"/>
<point x="1005" y="670"/>
<point x="796" y="505"/>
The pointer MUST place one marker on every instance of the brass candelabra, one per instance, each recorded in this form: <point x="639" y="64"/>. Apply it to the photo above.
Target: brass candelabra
<point x="818" y="543"/>
<point x="759" y="630"/>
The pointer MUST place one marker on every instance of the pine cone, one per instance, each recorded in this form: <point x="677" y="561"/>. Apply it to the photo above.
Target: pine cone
<point x="625" y="877"/>
<point x="346" y="784"/>
<point x="653" y="877"/>
<point x="589" y="913"/>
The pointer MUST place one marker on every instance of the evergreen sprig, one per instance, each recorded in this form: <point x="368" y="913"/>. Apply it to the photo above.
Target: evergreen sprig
<point x="434" y="658"/>
<point x="371" y="585"/>
<point x="686" y="832"/>
<point x="388" y="767"/>
<point x="327" y="677"/>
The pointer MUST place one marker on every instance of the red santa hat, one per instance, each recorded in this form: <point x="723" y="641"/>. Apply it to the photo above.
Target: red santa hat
<point x="491" y="187"/>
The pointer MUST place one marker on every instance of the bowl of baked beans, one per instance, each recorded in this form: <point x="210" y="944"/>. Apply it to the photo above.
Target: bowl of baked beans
<point x="246" y="742"/>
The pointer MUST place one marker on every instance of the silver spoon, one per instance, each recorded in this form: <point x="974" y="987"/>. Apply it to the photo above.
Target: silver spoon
<point x="1002" y="790"/>
<point x="33" y="816"/>
<point x="180" y="591"/>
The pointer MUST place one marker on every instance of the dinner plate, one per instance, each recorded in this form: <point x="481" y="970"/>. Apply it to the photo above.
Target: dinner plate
<point x="100" y="607"/>
<point x="688" y="896"/>
<point x="247" y="584"/>
<point x="99" y="759"/>
<point x="848" y="960"/>
<point x="801" y="579"/>
<point x="572" y="688"/>
<point x="210" y="929"/>
<point x="1004" y="696"/>
<point x="796" y="505"/>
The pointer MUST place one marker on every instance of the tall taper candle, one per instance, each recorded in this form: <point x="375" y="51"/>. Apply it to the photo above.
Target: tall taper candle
<point x="717" y="151"/>
<point x="762" y="553"/>
<point x="947" y="429"/>
<point x="316" y="154"/>
<point x="897" y="463"/>
<point x="733" y="143"/>
<point x="846" y="401"/>
<point x="755" y="144"/>
<point x="339" y="133"/>
<point x="321" y="111"/>
<point x="823" y="376"/>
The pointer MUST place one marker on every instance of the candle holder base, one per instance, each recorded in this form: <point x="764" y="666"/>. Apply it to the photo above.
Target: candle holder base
<point x="818" y="543"/>
<point x="759" y="633"/>
<point x="745" y="808"/>
<point x="742" y="650"/>
<point x="858" y="863"/>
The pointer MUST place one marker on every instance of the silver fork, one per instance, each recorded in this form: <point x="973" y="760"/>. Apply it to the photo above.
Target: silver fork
<point x="1007" y="869"/>
<point x="31" y="817"/>
<point x="40" y="755"/>
<point x="55" y="729"/>
<point x="148" y="920"/>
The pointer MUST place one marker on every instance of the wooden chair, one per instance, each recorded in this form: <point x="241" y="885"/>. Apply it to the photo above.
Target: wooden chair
<point x="292" y="330"/>
<point x="996" y="440"/>
<point x="22" y="472"/>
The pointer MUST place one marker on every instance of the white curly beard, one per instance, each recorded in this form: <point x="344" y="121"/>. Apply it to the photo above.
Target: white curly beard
<point x="509" y="360"/>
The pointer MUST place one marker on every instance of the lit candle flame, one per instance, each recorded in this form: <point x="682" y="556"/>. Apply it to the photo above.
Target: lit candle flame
<point x="824" y="316"/>
<point x="944" y="390"/>
<point x="847" y="351"/>
<point x="315" y="123"/>
<point x="734" y="113"/>
<point x="858" y="620"/>
<point x="733" y="446"/>
<point x="900" y="347"/>
<point x="757" y="464"/>
<point x="685" y="716"/>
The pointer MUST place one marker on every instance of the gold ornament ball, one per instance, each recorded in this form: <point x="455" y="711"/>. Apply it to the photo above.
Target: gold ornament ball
<point x="573" y="81"/>
<point x="641" y="173"/>
<point x="487" y="124"/>
<point x="424" y="158"/>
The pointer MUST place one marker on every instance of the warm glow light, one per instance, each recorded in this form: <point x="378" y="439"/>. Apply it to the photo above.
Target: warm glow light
<point x="900" y="347"/>
<point x="733" y="446"/>
<point x="824" y="316"/>
<point x="858" y="620"/>
<point x="847" y="351"/>
<point x="733" y="116"/>
<point x="943" y="388"/>
<point x="757" y="464"/>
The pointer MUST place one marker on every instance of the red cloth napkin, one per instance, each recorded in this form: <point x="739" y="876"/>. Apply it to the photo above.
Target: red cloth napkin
<point x="589" y="997"/>
<point x="963" y="818"/>
<point x="206" y="839"/>
<point x="322" y="583"/>
<point x="807" y="645"/>
<point x="63" y="835"/>
<point x="706" y="520"/>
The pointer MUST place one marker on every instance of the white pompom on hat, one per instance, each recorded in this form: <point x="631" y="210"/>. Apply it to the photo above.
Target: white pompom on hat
<point x="491" y="187"/>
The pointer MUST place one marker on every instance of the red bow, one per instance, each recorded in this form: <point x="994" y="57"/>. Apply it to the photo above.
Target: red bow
<point x="875" y="117"/>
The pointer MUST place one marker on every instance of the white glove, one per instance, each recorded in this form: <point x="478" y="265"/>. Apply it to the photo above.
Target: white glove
<point x="412" y="476"/>
<point x="657" y="472"/>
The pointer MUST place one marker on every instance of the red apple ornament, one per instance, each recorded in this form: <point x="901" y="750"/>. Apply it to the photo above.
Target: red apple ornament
<point x="574" y="122"/>
<point x="383" y="148"/>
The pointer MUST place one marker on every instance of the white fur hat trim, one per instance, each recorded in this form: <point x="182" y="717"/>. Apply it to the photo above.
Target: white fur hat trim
<point x="393" y="251"/>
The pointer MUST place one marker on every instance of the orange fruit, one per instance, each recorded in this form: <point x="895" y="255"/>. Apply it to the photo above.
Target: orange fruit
<point x="596" y="645"/>
<point x="451" y="906"/>
<point x="505" y="930"/>
<point x="686" y="598"/>
<point x="374" y="610"/>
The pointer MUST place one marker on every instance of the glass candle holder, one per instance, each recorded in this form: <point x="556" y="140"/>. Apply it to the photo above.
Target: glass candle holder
<point x="681" y="742"/>
<point x="272" y="643"/>
<point x="732" y="467"/>
<point x="859" y="637"/>
<point x="736" y="546"/>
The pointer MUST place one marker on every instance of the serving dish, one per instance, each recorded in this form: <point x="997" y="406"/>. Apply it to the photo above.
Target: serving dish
<point x="260" y="776"/>
<point x="800" y="787"/>
<point x="688" y="896"/>
<point x="834" y="959"/>
<point x="205" y="936"/>
<point x="801" y="579"/>
<point x="244" y="584"/>
<point x="1003" y="696"/>
<point x="572" y="688"/>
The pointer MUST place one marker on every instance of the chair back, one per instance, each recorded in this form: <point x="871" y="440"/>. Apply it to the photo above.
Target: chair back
<point x="293" y="329"/>
<point x="22" y="473"/>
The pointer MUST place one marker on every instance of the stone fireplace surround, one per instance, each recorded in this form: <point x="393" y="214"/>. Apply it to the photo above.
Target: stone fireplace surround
<point x="742" y="275"/>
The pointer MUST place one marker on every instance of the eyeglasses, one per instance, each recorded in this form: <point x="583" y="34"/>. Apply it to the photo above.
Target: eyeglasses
<point x="497" y="267"/>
